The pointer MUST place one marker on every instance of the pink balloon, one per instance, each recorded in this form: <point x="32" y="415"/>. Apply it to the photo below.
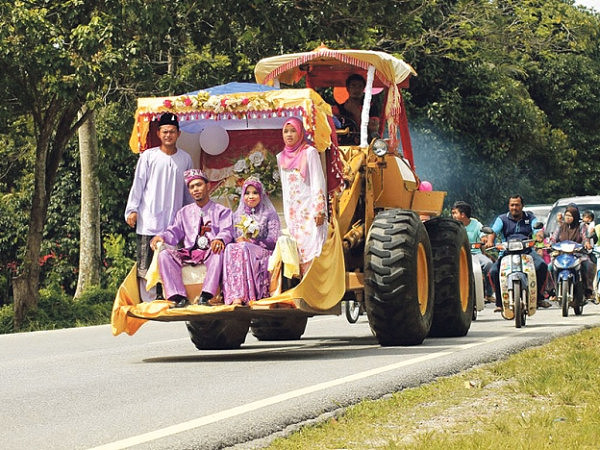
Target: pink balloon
<point x="425" y="186"/>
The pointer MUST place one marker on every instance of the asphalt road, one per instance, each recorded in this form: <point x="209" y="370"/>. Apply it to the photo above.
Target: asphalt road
<point x="83" y="388"/>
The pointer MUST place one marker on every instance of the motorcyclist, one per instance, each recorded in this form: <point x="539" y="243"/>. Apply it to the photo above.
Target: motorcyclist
<point x="462" y="211"/>
<point x="576" y="230"/>
<point x="517" y="223"/>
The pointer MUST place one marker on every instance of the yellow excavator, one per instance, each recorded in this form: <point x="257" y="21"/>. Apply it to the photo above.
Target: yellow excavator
<point x="388" y="249"/>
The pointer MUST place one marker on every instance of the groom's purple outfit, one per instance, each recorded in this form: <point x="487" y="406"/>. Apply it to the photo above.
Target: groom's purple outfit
<point x="217" y="223"/>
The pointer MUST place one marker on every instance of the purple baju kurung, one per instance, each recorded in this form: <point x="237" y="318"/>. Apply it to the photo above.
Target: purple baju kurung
<point x="185" y="229"/>
<point x="245" y="268"/>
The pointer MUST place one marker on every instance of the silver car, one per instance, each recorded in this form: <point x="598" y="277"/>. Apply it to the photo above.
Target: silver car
<point x="586" y="202"/>
<point x="540" y="211"/>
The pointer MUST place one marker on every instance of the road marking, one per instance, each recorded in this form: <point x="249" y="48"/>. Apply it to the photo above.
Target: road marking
<point x="253" y="406"/>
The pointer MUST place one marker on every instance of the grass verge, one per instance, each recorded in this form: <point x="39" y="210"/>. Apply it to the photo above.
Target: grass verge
<point x="57" y="310"/>
<point x="545" y="397"/>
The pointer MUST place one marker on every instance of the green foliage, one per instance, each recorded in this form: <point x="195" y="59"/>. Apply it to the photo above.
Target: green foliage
<point x="119" y="264"/>
<point x="6" y="319"/>
<point x="506" y="100"/>
<point x="58" y="310"/>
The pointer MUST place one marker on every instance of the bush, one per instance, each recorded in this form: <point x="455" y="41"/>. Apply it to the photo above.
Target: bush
<point x="58" y="310"/>
<point x="7" y="314"/>
<point x="120" y="265"/>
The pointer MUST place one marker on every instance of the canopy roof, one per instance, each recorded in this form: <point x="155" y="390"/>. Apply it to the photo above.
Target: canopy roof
<point x="326" y="67"/>
<point x="253" y="109"/>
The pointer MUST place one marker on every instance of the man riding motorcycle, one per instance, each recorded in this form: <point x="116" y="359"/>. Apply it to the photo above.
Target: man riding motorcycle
<point x="517" y="223"/>
<point x="462" y="211"/>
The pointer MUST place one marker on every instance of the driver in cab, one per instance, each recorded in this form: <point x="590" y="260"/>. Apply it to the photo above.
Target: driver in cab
<point x="349" y="113"/>
<point x="517" y="223"/>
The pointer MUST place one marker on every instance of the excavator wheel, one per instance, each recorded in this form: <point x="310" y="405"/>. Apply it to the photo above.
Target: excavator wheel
<point x="218" y="334"/>
<point x="283" y="328"/>
<point x="398" y="278"/>
<point x="453" y="275"/>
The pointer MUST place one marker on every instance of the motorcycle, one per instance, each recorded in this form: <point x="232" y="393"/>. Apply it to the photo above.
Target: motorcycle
<point x="479" y="283"/>
<point x="566" y="263"/>
<point x="518" y="283"/>
<point x="596" y="252"/>
<point x="353" y="308"/>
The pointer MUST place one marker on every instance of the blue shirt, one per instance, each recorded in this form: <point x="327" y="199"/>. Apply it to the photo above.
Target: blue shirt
<point x="509" y="226"/>
<point x="474" y="233"/>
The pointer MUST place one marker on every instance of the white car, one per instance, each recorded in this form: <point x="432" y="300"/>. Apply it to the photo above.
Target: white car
<point x="540" y="211"/>
<point x="586" y="202"/>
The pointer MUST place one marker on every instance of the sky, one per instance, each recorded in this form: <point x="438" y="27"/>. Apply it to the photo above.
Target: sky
<point x="590" y="4"/>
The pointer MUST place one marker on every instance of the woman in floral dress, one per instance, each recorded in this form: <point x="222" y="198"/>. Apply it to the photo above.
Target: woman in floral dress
<point x="257" y="227"/>
<point x="304" y="192"/>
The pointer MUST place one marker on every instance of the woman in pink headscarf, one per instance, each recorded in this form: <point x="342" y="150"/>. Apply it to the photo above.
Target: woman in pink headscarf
<point x="304" y="192"/>
<point x="245" y="264"/>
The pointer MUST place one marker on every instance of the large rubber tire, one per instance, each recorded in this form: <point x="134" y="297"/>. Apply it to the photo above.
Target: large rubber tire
<point x="564" y="301"/>
<point x="281" y="328"/>
<point x="453" y="277"/>
<point x="398" y="278"/>
<point x="518" y="304"/>
<point x="218" y="334"/>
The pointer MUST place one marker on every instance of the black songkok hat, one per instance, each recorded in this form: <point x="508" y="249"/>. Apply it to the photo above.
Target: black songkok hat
<point x="168" y="119"/>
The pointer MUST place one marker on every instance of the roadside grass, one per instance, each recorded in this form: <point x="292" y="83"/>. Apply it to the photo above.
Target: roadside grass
<point x="57" y="310"/>
<point x="546" y="397"/>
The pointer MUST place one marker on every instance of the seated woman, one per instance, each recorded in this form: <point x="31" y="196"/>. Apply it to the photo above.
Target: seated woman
<point x="573" y="229"/>
<point x="257" y="227"/>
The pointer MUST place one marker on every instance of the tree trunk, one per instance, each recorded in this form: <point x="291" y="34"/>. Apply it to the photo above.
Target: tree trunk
<point x="89" y="234"/>
<point x="26" y="284"/>
<point x="55" y="127"/>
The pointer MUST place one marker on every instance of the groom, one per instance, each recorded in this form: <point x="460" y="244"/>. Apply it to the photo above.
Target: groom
<point x="203" y="228"/>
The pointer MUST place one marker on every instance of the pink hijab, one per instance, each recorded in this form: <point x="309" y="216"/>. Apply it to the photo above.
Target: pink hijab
<point x="294" y="157"/>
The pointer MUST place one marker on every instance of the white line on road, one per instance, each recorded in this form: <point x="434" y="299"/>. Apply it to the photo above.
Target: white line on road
<point x="253" y="406"/>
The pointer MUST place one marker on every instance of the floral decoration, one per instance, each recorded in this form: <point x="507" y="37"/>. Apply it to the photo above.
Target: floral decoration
<point x="249" y="227"/>
<point x="219" y="103"/>
<point x="261" y="164"/>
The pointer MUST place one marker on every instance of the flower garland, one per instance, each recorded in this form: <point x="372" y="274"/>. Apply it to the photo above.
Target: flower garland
<point x="219" y="103"/>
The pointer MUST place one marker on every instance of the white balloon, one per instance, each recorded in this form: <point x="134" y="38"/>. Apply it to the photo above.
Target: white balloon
<point x="214" y="139"/>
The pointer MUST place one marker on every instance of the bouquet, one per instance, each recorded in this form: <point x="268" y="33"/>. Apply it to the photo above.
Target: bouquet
<point x="249" y="227"/>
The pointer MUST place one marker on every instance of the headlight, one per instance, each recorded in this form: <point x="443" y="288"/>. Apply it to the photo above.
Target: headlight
<point x="515" y="246"/>
<point x="380" y="147"/>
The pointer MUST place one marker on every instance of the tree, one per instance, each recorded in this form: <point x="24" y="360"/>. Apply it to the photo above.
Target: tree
<point x="89" y="239"/>
<point x="54" y="56"/>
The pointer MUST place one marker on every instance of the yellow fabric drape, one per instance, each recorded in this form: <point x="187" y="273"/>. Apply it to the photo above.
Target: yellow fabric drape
<point x="153" y="275"/>
<point x="128" y="297"/>
<point x="324" y="285"/>
<point x="285" y="253"/>
<point x="128" y="301"/>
